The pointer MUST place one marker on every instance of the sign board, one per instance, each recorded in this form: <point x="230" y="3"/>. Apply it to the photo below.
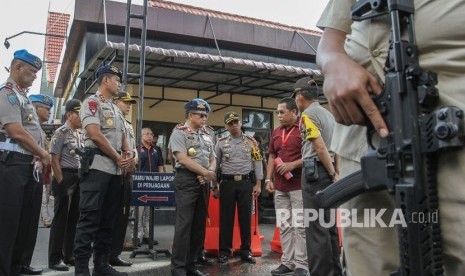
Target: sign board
<point x="152" y="189"/>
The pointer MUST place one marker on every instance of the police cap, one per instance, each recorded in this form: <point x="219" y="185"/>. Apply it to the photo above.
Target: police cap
<point x="109" y="69"/>
<point x="73" y="105"/>
<point x="307" y="87"/>
<point x="125" y="97"/>
<point x="31" y="59"/>
<point x="197" y="104"/>
<point x="230" y="117"/>
<point x="43" y="99"/>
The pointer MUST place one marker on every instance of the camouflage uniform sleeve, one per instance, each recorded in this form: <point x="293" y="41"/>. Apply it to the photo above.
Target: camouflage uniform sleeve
<point x="10" y="110"/>
<point x="178" y="141"/>
<point x="58" y="141"/>
<point x="90" y="112"/>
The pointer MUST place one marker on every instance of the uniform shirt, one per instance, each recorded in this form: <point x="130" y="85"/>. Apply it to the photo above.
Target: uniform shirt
<point x="15" y="107"/>
<point x="64" y="143"/>
<point x="100" y="111"/>
<point x="235" y="155"/>
<point x="441" y="49"/>
<point x="150" y="159"/>
<point x="184" y="139"/>
<point x="316" y="121"/>
<point x="289" y="152"/>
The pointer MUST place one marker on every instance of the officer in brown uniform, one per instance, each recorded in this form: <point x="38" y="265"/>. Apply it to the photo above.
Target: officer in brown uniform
<point x="241" y="169"/>
<point x="124" y="101"/>
<point x="106" y="157"/>
<point x="65" y="144"/>
<point x="21" y="143"/>
<point x="194" y="164"/>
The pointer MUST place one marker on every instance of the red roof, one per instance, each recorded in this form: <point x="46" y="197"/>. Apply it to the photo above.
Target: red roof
<point x="228" y="16"/>
<point x="57" y="24"/>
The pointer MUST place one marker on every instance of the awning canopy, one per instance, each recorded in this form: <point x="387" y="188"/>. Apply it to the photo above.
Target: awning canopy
<point x="201" y="72"/>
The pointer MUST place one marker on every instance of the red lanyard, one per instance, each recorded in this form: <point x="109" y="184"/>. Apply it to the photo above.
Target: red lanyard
<point x="284" y="138"/>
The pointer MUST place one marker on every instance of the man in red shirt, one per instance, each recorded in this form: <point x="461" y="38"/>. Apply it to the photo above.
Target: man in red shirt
<point x="285" y="146"/>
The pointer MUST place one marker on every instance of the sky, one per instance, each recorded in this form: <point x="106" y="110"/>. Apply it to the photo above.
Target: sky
<point x="19" y="16"/>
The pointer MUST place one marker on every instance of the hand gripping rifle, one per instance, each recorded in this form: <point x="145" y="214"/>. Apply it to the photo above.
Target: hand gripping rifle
<point x="405" y="163"/>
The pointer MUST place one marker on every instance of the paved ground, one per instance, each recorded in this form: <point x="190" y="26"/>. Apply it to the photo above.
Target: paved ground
<point x="144" y="265"/>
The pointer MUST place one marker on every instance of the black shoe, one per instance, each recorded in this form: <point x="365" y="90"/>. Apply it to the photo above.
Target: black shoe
<point x="248" y="259"/>
<point x="222" y="259"/>
<point x="25" y="269"/>
<point x="203" y="260"/>
<point x="196" y="272"/>
<point x="119" y="262"/>
<point x="60" y="266"/>
<point x="301" y="272"/>
<point x="282" y="270"/>
<point x="69" y="262"/>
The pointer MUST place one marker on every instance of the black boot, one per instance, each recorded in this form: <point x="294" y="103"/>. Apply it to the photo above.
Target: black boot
<point x="82" y="268"/>
<point x="102" y="268"/>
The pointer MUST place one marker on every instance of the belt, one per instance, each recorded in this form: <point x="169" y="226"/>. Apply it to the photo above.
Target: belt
<point x="236" y="177"/>
<point x="70" y="170"/>
<point x="7" y="146"/>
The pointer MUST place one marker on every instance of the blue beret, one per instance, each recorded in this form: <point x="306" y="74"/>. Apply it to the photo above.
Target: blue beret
<point x="109" y="69"/>
<point x="43" y="99"/>
<point x="197" y="104"/>
<point x="25" y="56"/>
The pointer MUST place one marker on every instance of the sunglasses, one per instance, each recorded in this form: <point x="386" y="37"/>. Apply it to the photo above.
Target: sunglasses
<point x="202" y="115"/>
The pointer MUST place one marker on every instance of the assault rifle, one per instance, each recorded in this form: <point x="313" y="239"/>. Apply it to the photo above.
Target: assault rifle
<point x="405" y="163"/>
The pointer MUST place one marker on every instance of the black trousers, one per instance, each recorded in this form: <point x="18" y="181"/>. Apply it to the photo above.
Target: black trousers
<point x="100" y="197"/>
<point x="122" y="219"/>
<point x="191" y="215"/>
<point x="323" y="250"/>
<point x="66" y="209"/>
<point x="18" y="219"/>
<point x="232" y="192"/>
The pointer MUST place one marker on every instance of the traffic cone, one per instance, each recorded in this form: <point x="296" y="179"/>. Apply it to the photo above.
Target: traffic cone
<point x="256" y="241"/>
<point x="212" y="231"/>
<point x="276" y="242"/>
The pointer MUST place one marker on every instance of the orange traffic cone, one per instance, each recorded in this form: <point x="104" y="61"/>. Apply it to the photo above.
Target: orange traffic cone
<point x="276" y="242"/>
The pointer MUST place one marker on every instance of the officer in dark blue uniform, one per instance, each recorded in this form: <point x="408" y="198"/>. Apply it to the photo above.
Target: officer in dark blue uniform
<point x="195" y="163"/>
<point x="21" y="152"/>
<point x="107" y="157"/>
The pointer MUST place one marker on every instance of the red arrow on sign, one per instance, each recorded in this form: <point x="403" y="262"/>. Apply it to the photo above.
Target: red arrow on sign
<point x="146" y="198"/>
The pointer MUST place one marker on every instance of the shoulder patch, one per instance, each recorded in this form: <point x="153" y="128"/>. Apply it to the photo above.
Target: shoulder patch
<point x="11" y="96"/>
<point x="93" y="105"/>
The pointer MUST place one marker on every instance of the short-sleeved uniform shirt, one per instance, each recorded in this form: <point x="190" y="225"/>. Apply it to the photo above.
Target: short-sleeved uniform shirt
<point x="235" y="155"/>
<point x="65" y="143"/>
<point x="103" y="112"/>
<point x="184" y="139"/>
<point x="286" y="144"/>
<point x="316" y="121"/>
<point x="440" y="43"/>
<point x="15" y="107"/>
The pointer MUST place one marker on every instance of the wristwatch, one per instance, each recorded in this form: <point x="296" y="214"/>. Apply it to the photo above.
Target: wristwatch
<point x="267" y="180"/>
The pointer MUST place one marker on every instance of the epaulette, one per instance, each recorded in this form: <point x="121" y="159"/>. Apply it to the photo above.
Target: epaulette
<point x="255" y="143"/>
<point x="7" y="85"/>
<point x="128" y="121"/>
<point x="102" y="98"/>
<point x="223" y="138"/>
<point x="180" y="126"/>
<point x="209" y="127"/>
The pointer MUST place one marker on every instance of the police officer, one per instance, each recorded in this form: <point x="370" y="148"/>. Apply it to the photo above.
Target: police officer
<point x="123" y="101"/>
<point x="319" y="171"/>
<point x="106" y="157"/>
<point x="195" y="163"/>
<point x="241" y="168"/>
<point x="43" y="105"/>
<point x="65" y="145"/>
<point x="21" y="143"/>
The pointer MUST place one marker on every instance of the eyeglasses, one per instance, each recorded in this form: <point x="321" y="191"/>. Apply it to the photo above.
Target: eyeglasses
<point x="202" y="115"/>
<point x="148" y="134"/>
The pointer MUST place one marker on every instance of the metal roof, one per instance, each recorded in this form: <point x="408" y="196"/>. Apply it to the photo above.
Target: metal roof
<point x="201" y="72"/>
